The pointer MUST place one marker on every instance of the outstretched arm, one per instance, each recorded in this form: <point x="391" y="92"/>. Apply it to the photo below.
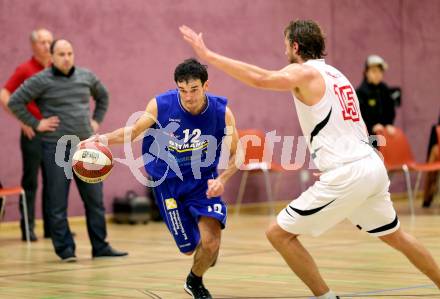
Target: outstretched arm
<point x="286" y="79"/>
<point x="130" y="133"/>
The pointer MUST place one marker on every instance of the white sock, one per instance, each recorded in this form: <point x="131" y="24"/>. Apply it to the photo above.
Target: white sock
<point x="328" y="295"/>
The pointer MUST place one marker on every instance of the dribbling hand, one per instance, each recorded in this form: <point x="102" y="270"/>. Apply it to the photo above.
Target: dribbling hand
<point x="95" y="138"/>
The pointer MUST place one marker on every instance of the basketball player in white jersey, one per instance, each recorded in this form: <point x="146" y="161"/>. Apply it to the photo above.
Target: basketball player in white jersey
<point x="354" y="182"/>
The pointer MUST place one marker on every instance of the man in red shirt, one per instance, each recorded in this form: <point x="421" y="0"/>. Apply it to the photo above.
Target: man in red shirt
<point x="30" y="142"/>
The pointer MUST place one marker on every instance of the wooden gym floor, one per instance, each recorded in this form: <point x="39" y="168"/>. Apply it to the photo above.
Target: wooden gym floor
<point x="354" y="264"/>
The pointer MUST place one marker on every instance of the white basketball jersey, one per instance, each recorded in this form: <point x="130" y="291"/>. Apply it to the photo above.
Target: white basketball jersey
<point x="334" y="129"/>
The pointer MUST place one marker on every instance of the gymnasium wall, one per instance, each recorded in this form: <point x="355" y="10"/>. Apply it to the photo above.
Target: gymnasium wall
<point x="134" y="45"/>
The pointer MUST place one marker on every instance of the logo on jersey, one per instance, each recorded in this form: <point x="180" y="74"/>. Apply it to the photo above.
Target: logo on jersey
<point x="171" y="203"/>
<point x="333" y="75"/>
<point x="187" y="147"/>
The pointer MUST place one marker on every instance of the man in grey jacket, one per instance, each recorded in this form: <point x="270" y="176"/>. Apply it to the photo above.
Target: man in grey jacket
<point x="63" y="93"/>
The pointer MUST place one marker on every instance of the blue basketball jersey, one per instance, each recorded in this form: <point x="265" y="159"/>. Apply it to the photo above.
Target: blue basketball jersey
<point x="180" y="143"/>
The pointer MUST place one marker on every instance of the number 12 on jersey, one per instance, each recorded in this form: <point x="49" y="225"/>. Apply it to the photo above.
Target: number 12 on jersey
<point x="194" y="135"/>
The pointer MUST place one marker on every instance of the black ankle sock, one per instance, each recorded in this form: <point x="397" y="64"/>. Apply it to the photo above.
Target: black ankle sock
<point x="193" y="279"/>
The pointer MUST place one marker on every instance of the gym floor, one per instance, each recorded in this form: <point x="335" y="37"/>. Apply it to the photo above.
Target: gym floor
<point x="354" y="264"/>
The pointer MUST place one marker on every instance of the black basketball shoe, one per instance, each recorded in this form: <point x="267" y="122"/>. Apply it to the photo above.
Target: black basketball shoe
<point x="197" y="290"/>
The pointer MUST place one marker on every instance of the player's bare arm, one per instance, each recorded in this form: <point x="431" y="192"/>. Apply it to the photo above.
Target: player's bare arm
<point x="236" y="158"/>
<point x="130" y="133"/>
<point x="247" y="73"/>
<point x="297" y="78"/>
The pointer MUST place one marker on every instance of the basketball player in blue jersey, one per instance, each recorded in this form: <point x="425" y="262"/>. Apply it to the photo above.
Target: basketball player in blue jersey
<point x="354" y="183"/>
<point x="189" y="197"/>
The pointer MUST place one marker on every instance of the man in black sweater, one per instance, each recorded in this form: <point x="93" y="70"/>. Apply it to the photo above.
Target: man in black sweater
<point x="62" y="93"/>
<point x="377" y="106"/>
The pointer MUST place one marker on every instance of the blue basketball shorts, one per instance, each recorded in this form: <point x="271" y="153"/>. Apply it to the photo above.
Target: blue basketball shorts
<point x="182" y="203"/>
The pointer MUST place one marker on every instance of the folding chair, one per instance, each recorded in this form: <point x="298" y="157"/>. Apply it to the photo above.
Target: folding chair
<point x="16" y="191"/>
<point x="254" y="162"/>
<point x="398" y="156"/>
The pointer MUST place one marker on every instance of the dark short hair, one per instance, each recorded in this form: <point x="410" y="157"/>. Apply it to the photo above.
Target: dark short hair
<point x="52" y="46"/>
<point x="309" y="36"/>
<point x="190" y="69"/>
<point x="54" y="43"/>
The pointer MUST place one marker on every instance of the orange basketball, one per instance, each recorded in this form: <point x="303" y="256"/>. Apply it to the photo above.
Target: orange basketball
<point x="92" y="162"/>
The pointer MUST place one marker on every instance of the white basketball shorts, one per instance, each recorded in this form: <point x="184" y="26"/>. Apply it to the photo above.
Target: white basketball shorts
<point x="357" y="191"/>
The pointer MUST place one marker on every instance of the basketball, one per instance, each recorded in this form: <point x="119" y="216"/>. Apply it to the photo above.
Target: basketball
<point x="92" y="162"/>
